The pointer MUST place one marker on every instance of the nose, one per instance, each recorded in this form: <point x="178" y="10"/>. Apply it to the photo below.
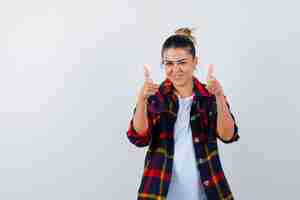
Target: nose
<point x="176" y="67"/>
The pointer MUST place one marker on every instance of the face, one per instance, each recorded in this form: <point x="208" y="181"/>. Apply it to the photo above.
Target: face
<point x="179" y="66"/>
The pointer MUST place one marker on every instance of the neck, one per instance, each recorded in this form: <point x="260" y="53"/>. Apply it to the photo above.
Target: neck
<point x="185" y="90"/>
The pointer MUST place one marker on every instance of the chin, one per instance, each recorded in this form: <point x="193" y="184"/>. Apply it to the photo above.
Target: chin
<point x="180" y="82"/>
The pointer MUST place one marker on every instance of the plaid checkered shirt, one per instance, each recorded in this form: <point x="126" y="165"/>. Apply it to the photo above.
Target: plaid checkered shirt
<point x="162" y="108"/>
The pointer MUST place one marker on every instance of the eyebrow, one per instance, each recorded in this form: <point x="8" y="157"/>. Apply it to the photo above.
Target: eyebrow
<point x="176" y="60"/>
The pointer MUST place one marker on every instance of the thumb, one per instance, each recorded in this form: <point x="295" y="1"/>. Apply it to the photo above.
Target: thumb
<point x="210" y="72"/>
<point x="147" y="73"/>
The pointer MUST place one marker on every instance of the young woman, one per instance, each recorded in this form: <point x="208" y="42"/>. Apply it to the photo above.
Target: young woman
<point x="180" y="120"/>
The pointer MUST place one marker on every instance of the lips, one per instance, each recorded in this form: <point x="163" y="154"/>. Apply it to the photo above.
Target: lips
<point x="177" y="77"/>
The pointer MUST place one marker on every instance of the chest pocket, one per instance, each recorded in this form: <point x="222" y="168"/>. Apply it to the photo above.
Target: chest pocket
<point x="200" y="117"/>
<point x="202" y="121"/>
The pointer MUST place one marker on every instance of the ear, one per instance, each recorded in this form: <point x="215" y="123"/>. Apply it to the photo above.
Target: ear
<point x="196" y="62"/>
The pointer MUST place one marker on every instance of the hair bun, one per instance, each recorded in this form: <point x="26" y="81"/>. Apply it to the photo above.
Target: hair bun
<point x="188" y="32"/>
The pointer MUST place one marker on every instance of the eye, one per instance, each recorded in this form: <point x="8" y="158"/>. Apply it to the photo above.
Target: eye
<point x="169" y="63"/>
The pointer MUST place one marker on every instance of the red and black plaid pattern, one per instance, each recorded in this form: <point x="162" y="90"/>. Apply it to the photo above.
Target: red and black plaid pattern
<point x="159" y="137"/>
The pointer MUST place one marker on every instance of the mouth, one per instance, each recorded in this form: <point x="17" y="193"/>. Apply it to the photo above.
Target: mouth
<point x="177" y="76"/>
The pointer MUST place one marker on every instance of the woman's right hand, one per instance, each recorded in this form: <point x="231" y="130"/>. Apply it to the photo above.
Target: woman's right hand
<point x="149" y="88"/>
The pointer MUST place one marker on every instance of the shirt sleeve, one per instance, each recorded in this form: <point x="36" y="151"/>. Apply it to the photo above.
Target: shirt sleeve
<point x="142" y="139"/>
<point x="214" y="114"/>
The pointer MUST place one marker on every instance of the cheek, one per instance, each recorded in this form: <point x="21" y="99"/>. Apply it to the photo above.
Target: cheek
<point x="168" y="73"/>
<point x="188" y="72"/>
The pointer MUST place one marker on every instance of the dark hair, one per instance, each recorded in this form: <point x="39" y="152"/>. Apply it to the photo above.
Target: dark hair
<point x="181" y="39"/>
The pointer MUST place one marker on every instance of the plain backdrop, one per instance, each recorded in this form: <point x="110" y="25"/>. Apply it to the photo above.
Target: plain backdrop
<point x="70" y="72"/>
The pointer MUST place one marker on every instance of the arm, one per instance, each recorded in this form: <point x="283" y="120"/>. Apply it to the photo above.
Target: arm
<point x="225" y="123"/>
<point x="226" y="128"/>
<point x="142" y="125"/>
<point x="140" y="121"/>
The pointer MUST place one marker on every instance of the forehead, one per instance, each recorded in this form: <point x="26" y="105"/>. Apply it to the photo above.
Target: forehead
<point x="176" y="54"/>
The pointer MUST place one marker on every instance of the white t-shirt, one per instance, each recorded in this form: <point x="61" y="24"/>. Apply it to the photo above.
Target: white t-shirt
<point x="185" y="181"/>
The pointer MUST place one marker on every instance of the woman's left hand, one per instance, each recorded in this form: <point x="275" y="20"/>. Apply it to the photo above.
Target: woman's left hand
<point x="214" y="87"/>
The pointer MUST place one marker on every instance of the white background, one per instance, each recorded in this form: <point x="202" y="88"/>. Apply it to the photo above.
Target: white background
<point x="69" y="76"/>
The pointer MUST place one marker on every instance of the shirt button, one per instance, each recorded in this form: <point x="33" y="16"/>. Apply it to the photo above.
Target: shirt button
<point x="206" y="183"/>
<point x="196" y="140"/>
